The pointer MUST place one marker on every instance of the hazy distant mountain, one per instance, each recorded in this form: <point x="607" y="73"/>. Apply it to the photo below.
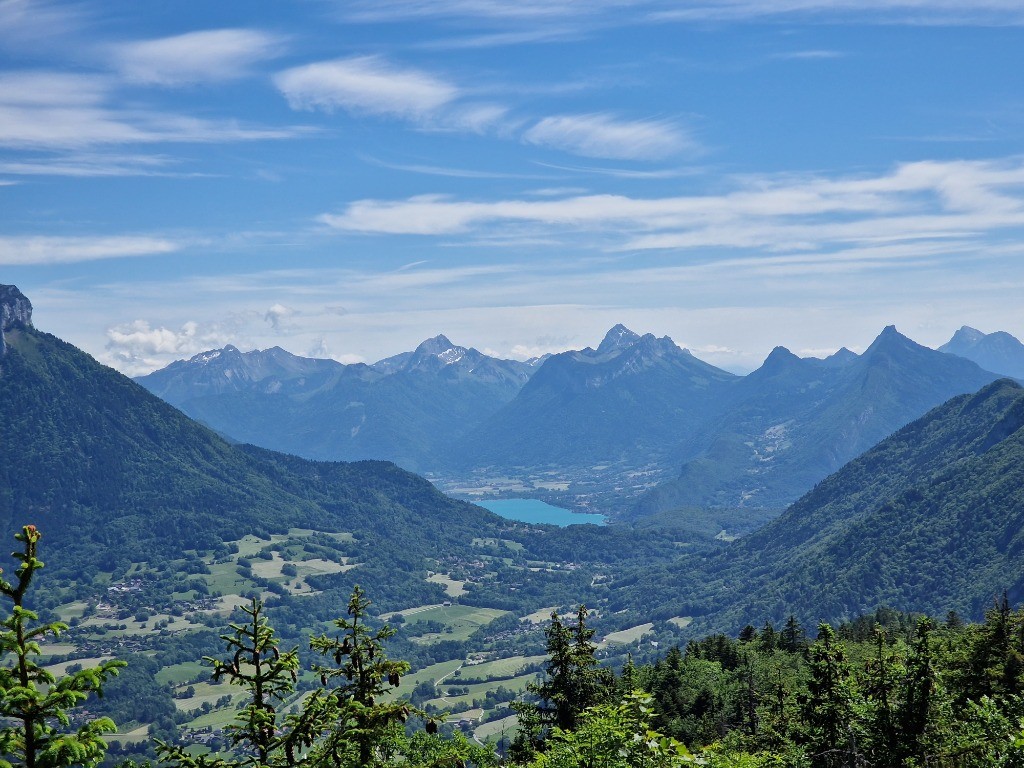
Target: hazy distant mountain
<point x="630" y="399"/>
<point x="999" y="351"/>
<point x="931" y="519"/>
<point x="406" y="408"/>
<point x="794" y="421"/>
<point x="228" y="370"/>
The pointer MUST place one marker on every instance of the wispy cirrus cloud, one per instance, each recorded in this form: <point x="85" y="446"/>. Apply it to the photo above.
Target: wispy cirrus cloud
<point x="638" y="11"/>
<point x="40" y="249"/>
<point x="913" y="12"/>
<point x="55" y="110"/>
<point x="916" y="201"/>
<point x="195" y="57"/>
<point x="365" y="84"/>
<point x="607" y="136"/>
<point x="93" y="165"/>
<point x="29" y="24"/>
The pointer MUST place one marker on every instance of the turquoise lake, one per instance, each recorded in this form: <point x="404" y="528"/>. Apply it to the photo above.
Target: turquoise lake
<point x="536" y="511"/>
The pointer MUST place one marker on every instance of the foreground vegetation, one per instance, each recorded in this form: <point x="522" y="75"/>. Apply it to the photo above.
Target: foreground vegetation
<point x="885" y="690"/>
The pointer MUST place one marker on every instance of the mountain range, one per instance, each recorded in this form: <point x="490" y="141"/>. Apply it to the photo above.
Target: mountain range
<point x="670" y="430"/>
<point x="931" y="518"/>
<point x="408" y="408"/>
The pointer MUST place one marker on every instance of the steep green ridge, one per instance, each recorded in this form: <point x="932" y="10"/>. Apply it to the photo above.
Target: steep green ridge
<point x="104" y="466"/>
<point x="931" y="519"/>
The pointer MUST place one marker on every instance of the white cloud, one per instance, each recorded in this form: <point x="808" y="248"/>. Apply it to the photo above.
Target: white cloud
<point x="52" y="110"/>
<point x="869" y="11"/>
<point x="916" y="201"/>
<point x="603" y="135"/>
<point x="195" y="57"/>
<point x="278" y="316"/>
<point x="380" y="10"/>
<point x="366" y="84"/>
<point x="32" y="250"/>
<point x="475" y="118"/>
<point x="136" y="348"/>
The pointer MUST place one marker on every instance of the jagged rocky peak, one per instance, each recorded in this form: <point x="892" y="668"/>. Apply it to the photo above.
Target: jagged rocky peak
<point x="619" y="337"/>
<point x="14" y="308"/>
<point x="890" y="340"/>
<point x="435" y="346"/>
<point x="214" y="354"/>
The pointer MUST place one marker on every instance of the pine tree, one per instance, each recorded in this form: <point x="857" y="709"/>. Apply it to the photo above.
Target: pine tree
<point x="32" y="698"/>
<point x="574" y="682"/>
<point x="364" y="676"/>
<point x="881" y="685"/>
<point x="828" y="711"/>
<point x="259" y="735"/>
<point x="792" y="638"/>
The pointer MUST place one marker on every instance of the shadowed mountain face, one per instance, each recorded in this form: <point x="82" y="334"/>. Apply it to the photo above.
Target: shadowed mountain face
<point x="931" y="519"/>
<point x="999" y="352"/>
<point x="793" y="421"/>
<point x="629" y="400"/>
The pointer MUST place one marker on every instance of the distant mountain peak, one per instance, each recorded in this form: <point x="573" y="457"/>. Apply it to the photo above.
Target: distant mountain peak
<point x="619" y="337"/>
<point x="778" y="359"/>
<point x="890" y="340"/>
<point x="840" y="357"/>
<point x="967" y="334"/>
<point x="211" y="355"/>
<point x="440" y="348"/>
<point x="435" y="345"/>
<point x="1000" y="352"/>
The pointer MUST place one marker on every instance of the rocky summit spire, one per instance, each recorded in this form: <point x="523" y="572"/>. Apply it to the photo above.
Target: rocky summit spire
<point x="14" y="308"/>
<point x="619" y="337"/>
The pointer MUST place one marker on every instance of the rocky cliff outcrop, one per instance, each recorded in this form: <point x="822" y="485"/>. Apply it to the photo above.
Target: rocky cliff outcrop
<point x="15" y="308"/>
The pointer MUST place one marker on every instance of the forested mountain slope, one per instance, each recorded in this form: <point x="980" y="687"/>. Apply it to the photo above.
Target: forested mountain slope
<point x="931" y="519"/>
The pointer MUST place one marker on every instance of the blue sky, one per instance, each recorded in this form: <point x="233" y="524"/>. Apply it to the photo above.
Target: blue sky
<point x="345" y="179"/>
